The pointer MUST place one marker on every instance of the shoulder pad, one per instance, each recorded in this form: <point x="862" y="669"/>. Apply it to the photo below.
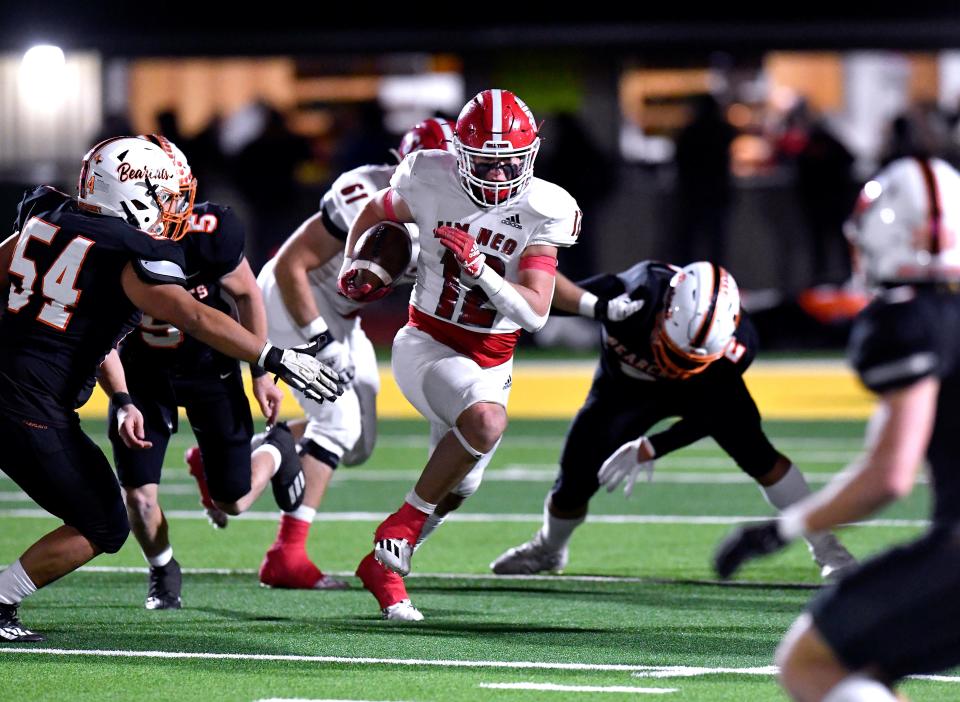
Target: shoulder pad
<point x="429" y="166"/>
<point x="550" y="200"/>
<point x="159" y="272"/>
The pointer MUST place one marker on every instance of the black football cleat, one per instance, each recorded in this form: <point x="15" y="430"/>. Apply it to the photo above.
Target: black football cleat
<point x="12" y="629"/>
<point x="288" y="482"/>
<point x="165" y="584"/>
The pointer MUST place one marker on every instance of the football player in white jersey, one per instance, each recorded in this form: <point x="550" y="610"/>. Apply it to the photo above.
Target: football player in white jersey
<point x="299" y="288"/>
<point x="488" y="250"/>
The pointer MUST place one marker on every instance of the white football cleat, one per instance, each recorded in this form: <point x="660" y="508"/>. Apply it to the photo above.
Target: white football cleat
<point x="394" y="554"/>
<point x="534" y="556"/>
<point x="834" y="560"/>
<point x="402" y="611"/>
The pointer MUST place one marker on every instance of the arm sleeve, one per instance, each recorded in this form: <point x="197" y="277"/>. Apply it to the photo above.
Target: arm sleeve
<point x="679" y="434"/>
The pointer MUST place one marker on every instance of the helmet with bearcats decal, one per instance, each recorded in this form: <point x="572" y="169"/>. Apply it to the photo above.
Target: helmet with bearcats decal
<point x="135" y="179"/>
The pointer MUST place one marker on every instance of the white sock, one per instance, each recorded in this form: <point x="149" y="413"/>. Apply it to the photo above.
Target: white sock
<point x="15" y="584"/>
<point x="303" y="513"/>
<point x="417" y="502"/>
<point x="556" y="531"/>
<point x="161" y="559"/>
<point x="271" y="451"/>
<point x="791" y="488"/>
<point x="433" y="521"/>
<point x="859" y="688"/>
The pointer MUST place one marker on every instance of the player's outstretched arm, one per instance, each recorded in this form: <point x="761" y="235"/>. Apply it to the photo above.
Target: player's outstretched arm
<point x="896" y="442"/>
<point x="172" y="303"/>
<point x="309" y="247"/>
<point x="570" y="297"/>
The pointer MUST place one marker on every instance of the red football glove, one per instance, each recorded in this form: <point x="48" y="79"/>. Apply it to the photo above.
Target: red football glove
<point x="464" y="248"/>
<point x="348" y="286"/>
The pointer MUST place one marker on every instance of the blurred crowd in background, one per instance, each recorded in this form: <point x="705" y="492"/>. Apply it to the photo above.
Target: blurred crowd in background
<point x="674" y="164"/>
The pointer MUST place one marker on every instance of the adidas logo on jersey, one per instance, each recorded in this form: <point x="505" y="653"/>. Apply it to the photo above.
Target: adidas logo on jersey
<point x="509" y="382"/>
<point x="513" y="221"/>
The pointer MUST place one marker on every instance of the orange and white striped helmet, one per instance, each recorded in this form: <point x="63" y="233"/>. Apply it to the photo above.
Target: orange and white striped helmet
<point x="905" y="224"/>
<point x="700" y="315"/>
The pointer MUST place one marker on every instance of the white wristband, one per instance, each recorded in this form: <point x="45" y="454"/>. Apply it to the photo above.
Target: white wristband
<point x="263" y="353"/>
<point x="317" y="326"/>
<point x="588" y="305"/>
<point x="792" y="523"/>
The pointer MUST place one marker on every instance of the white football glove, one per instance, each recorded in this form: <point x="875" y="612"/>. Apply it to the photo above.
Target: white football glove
<point x="628" y="461"/>
<point x="618" y="308"/>
<point x="301" y="371"/>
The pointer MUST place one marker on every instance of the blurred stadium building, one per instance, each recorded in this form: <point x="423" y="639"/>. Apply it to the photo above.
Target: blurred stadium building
<point x="811" y="107"/>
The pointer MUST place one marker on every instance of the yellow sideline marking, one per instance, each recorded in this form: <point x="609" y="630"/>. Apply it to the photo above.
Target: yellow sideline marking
<point x="543" y="390"/>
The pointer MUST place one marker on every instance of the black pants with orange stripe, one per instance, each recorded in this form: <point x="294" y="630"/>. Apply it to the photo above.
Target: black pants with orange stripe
<point x="621" y="409"/>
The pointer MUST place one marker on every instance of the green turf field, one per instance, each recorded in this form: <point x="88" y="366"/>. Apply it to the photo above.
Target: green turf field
<point x="656" y="624"/>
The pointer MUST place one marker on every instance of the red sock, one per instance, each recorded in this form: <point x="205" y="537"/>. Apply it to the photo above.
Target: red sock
<point x="195" y="462"/>
<point x="406" y="523"/>
<point x="293" y="532"/>
<point x="383" y="584"/>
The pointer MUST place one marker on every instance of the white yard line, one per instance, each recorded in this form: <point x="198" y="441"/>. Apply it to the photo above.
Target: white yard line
<point x="555" y="687"/>
<point x="494" y="518"/>
<point x="659" y="670"/>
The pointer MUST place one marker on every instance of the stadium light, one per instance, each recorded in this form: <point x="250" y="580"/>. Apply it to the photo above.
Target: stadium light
<point x="43" y="77"/>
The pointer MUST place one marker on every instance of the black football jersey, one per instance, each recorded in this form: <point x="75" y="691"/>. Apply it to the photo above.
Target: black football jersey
<point x="626" y="349"/>
<point x="907" y="334"/>
<point x="66" y="308"/>
<point x="212" y="248"/>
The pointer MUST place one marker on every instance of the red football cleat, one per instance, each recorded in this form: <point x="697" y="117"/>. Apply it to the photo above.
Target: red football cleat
<point x="389" y="590"/>
<point x="292" y="569"/>
<point x="406" y="523"/>
<point x="216" y="516"/>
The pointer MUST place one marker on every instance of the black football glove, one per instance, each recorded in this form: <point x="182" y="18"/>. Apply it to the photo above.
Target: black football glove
<point x="745" y="544"/>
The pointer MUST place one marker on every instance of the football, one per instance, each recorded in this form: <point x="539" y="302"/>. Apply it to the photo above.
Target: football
<point x="382" y="254"/>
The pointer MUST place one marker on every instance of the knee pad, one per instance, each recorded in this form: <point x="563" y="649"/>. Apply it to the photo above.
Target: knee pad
<point x="311" y="448"/>
<point x="466" y="444"/>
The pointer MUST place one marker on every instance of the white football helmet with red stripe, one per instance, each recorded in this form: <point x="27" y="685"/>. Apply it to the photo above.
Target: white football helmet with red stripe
<point x="496" y="143"/>
<point x="700" y="315"/>
<point x="433" y="133"/>
<point x="905" y="224"/>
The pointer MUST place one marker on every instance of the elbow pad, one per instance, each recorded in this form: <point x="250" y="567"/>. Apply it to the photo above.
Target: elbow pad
<point x="509" y="302"/>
